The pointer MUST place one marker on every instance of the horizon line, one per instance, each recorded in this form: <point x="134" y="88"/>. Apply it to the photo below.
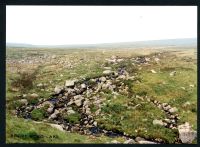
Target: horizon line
<point x="97" y="43"/>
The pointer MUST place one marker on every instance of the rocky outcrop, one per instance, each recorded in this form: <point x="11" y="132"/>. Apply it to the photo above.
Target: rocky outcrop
<point x="186" y="133"/>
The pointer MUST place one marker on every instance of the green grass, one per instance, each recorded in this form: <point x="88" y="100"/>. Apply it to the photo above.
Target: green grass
<point x="38" y="114"/>
<point x="72" y="118"/>
<point x="25" y="131"/>
<point x="135" y="122"/>
<point x="120" y="114"/>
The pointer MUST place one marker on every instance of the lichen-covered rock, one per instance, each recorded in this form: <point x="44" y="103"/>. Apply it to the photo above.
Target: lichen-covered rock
<point x="115" y="142"/>
<point x="186" y="134"/>
<point x="50" y="110"/>
<point x="146" y="142"/>
<point x="129" y="141"/>
<point x="158" y="122"/>
<point x="23" y="101"/>
<point x="173" y="110"/>
<point x="34" y="95"/>
<point x="58" y="89"/>
<point x="69" y="83"/>
<point x="54" y="115"/>
<point x="107" y="72"/>
<point x="83" y="86"/>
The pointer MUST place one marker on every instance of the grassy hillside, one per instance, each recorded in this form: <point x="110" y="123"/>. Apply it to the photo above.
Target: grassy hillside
<point x="38" y="71"/>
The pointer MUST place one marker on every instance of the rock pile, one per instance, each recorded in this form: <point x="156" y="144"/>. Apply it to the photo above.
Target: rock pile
<point x="172" y="117"/>
<point x="76" y="97"/>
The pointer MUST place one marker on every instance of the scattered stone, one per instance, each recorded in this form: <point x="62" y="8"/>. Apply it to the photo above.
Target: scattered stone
<point x="59" y="127"/>
<point x="129" y="141"/>
<point x="54" y="115"/>
<point x="34" y="96"/>
<point x="120" y="60"/>
<point x="58" y="89"/>
<point x="156" y="59"/>
<point x="173" y="110"/>
<point x="167" y="120"/>
<point x="191" y="85"/>
<point x="71" y="112"/>
<point x="83" y="86"/>
<point x="50" y="110"/>
<point x="122" y="77"/>
<point x="186" y="104"/>
<point x="30" y="108"/>
<point x="95" y="123"/>
<point x="69" y="83"/>
<point x="146" y="142"/>
<point x="23" y="101"/>
<point x="24" y="95"/>
<point x="107" y="72"/>
<point x="107" y="68"/>
<point x="158" y="122"/>
<point x="139" y="139"/>
<point x="173" y="73"/>
<point x="153" y="71"/>
<point x="164" y="104"/>
<point x="53" y="56"/>
<point x="39" y="85"/>
<point x="102" y="79"/>
<point x="183" y="88"/>
<point x="78" y="102"/>
<point x="115" y="142"/>
<point x="186" y="134"/>
<point x="167" y="108"/>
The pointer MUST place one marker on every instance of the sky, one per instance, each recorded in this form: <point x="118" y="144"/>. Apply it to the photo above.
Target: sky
<point x="62" y="25"/>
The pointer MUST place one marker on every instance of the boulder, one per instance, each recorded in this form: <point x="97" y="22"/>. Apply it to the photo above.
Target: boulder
<point x="167" y="108"/>
<point x="58" y="89"/>
<point x="139" y="139"/>
<point x="153" y="71"/>
<point x="120" y="60"/>
<point x="186" y="134"/>
<point x="122" y="77"/>
<point x="79" y="102"/>
<point x="50" y="110"/>
<point x="59" y="127"/>
<point x="115" y="142"/>
<point x="164" y="104"/>
<point x="71" y="112"/>
<point x="23" y="101"/>
<point x="34" y="95"/>
<point x="173" y="110"/>
<point x="53" y="56"/>
<point x="173" y="73"/>
<point x="107" y="68"/>
<point x="83" y="86"/>
<point x="146" y="142"/>
<point x="186" y="104"/>
<point x="30" y="108"/>
<point x="107" y="72"/>
<point x="191" y="85"/>
<point x="87" y="111"/>
<point x="78" y="97"/>
<point x="129" y="141"/>
<point x="102" y="79"/>
<point x="39" y="85"/>
<point x="54" y="115"/>
<point x="69" y="83"/>
<point x="158" y="122"/>
<point x="156" y="59"/>
<point x="95" y="123"/>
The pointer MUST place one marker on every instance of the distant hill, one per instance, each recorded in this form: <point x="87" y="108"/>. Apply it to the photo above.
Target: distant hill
<point x="186" y="42"/>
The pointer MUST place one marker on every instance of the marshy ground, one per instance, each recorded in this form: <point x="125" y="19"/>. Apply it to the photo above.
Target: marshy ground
<point x="101" y="96"/>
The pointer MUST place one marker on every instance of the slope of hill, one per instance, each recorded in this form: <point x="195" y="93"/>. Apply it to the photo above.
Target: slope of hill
<point x="186" y="42"/>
